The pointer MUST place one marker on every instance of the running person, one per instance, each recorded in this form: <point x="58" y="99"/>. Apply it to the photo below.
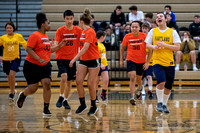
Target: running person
<point x="136" y="59"/>
<point x="89" y="63"/>
<point x="11" y="55"/>
<point x="37" y="66"/>
<point x="163" y="41"/>
<point x="65" y="54"/>
<point x="149" y="72"/>
<point x="104" y="66"/>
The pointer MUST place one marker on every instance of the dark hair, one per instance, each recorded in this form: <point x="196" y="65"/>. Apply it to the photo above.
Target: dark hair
<point x="118" y="7"/>
<point x="12" y="24"/>
<point x="168" y="6"/>
<point x="92" y="16"/>
<point x="133" y="7"/>
<point x="41" y="18"/>
<point x="149" y="15"/>
<point x="168" y="14"/>
<point x="86" y="17"/>
<point x="100" y="33"/>
<point x="146" y="25"/>
<point x="75" y="22"/>
<point x="139" y="22"/>
<point x="68" y="13"/>
<point x="196" y="15"/>
<point x="163" y="14"/>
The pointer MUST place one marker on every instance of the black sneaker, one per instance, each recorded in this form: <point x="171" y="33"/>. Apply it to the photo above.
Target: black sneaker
<point x="66" y="105"/>
<point x="150" y="93"/>
<point x="132" y="101"/>
<point x="20" y="100"/>
<point x="159" y="107"/>
<point x="138" y="94"/>
<point x="60" y="102"/>
<point x="103" y="97"/>
<point x="93" y="110"/>
<point x="165" y="110"/>
<point x="81" y="109"/>
<point x="12" y="96"/>
<point x="46" y="112"/>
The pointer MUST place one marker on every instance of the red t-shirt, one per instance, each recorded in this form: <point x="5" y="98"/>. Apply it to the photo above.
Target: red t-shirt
<point x="70" y="50"/>
<point x="136" y="47"/>
<point x="89" y="36"/>
<point x="41" y="46"/>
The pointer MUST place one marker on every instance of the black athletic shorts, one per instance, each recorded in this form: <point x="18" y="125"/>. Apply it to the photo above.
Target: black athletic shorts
<point x="34" y="73"/>
<point x="91" y="63"/>
<point x="63" y="67"/>
<point x="138" y="67"/>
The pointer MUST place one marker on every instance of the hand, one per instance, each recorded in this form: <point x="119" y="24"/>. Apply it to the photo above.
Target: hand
<point x="184" y="39"/>
<point x="121" y="63"/>
<point x="196" y="38"/>
<point x="146" y="66"/>
<point x="155" y="47"/>
<point x="102" y="67"/>
<point x="71" y="63"/>
<point x="42" y="61"/>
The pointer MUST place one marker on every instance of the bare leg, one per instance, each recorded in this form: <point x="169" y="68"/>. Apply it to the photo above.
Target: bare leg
<point x="132" y="76"/>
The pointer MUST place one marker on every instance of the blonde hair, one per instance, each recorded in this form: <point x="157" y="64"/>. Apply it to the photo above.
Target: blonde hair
<point x="86" y="17"/>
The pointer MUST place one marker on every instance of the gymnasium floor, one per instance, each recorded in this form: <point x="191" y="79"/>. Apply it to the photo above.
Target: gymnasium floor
<point x="115" y="116"/>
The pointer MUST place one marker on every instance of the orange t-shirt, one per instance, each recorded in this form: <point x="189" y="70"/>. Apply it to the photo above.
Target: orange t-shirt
<point x="70" y="50"/>
<point x="41" y="46"/>
<point x="89" y="36"/>
<point x="136" y="47"/>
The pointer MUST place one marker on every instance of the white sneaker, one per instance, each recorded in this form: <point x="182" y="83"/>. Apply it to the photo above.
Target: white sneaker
<point x="176" y="68"/>
<point x="195" y="69"/>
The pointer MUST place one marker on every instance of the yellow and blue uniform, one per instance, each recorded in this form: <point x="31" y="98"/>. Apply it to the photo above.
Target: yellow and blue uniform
<point x="163" y="58"/>
<point x="11" y="50"/>
<point x="102" y="52"/>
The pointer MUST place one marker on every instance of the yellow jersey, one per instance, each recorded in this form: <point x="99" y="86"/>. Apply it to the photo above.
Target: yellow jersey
<point x="11" y="49"/>
<point x="163" y="56"/>
<point x="102" y="51"/>
<point x="151" y="60"/>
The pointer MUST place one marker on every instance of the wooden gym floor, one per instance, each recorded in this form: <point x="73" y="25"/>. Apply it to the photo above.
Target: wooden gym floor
<point x="115" y="116"/>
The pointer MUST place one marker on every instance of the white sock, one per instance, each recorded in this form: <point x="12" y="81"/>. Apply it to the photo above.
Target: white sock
<point x="177" y="65"/>
<point x="150" y="88"/>
<point x="65" y="99"/>
<point x="165" y="99"/>
<point x="62" y="95"/>
<point x="159" y="94"/>
<point x="194" y="65"/>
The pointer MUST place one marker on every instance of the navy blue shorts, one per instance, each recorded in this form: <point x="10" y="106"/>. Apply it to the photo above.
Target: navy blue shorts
<point x="149" y="71"/>
<point x="91" y="63"/>
<point x="34" y="73"/>
<point x="11" y="65"/>
<point x="164" y="74"/>
<point x="63" y="67"/>
<point x="101" y="70"/>
<point x="138" y="67"/>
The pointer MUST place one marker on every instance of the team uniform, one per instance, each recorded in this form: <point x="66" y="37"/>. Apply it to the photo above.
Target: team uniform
<point x="136" y="52"/>
<point x="91" y="58"/>
<point x="102" y="52"/>
<point x="34" y="71"/>
<point x="65" y="54"/>
<point x="163" y="63"/>
<point x="163" y="59"/>
<point x="11" y="51"/>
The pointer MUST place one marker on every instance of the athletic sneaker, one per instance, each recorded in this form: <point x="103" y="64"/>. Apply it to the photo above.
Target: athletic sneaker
<point x="12" y="96"/>
<point x="165" y="110"/>
<point x="20" y="100"/>
<point x="66" y="105"/>
<point x="138" y="94"/>
<point x="46" y="112"/>
<point x="150" y="93"/>
<point x="103" y="97"/>
<point x="60" y="102"/>
<point x="81" y="108"/>
<point x="132" y="101"/>
<point x="159" y="107"/>
<point x="93" y="110"/>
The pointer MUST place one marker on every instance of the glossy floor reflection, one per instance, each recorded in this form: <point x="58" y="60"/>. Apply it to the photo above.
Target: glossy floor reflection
<point x="115" y="116"/>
